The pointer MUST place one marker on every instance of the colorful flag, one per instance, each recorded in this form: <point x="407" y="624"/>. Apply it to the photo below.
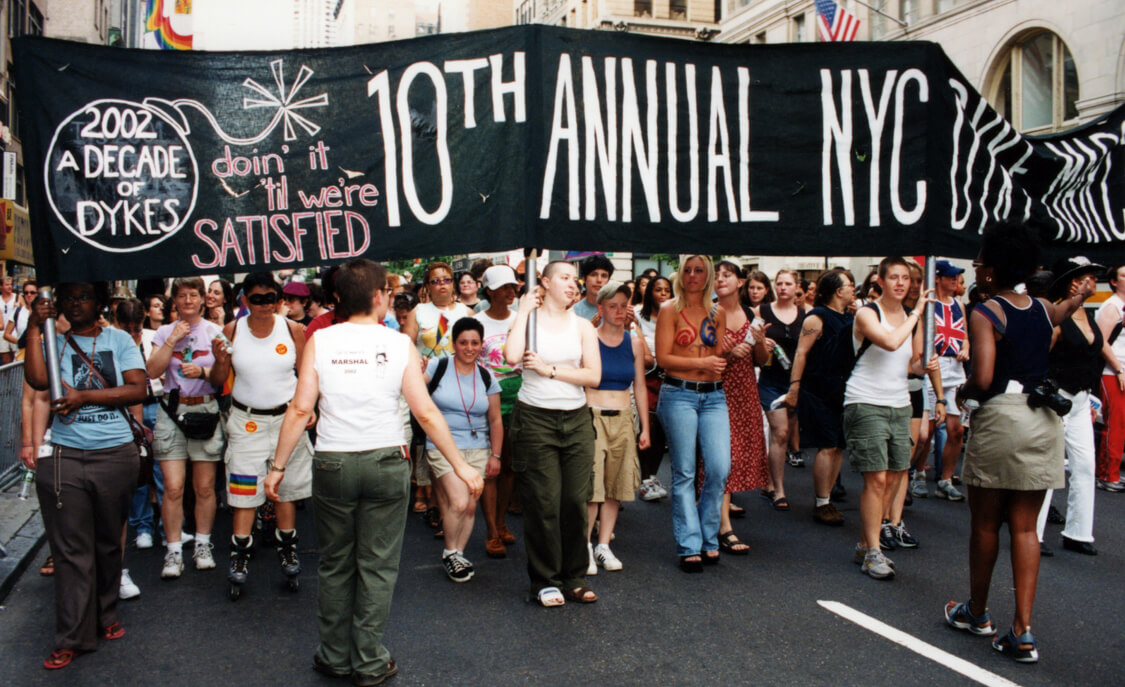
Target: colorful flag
<point x="835" y="22"/>
<point x="442" y="329"/>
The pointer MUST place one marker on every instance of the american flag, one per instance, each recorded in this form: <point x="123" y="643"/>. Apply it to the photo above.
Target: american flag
<point x="835" y="22"/>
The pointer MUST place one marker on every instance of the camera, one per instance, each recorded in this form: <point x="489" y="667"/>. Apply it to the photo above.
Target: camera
<point x="1046" y="394"/>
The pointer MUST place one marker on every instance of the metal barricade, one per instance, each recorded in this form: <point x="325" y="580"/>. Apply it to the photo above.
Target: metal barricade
<point x="11" y="397"/>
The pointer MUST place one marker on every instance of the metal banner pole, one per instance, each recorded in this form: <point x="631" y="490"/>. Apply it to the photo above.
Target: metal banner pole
<point x="51" y="344"/>
<point x="928" y="323"/>
<point x="532" y="284"/>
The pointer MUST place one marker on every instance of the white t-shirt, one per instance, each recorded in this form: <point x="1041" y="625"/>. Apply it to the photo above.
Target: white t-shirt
<point x="360" y="370"/>
<point x="1118" y="346"/>
<point x="492" y="348"/>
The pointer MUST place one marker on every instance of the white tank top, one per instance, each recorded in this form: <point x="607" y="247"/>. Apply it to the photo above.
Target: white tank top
<point x="264" y="375"/>
<point x="1118" y="346"/>
<point x="879" y="377"/>
<point x="435" y="340"/>
<point x="360" y="369"/>
<point x="556" y="349"/>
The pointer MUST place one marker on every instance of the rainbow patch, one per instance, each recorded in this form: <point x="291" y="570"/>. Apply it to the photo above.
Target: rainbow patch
<point x="243" y="485"/>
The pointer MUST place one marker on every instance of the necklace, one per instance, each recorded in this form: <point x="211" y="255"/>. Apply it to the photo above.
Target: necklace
<point x="468" y="418"/>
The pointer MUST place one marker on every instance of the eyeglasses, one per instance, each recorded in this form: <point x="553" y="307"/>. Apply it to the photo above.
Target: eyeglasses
<point x="262" y="298"/>
<point x="81" y="298"/>
<point x="30" y="293"/>
<point x="441" y="281"/>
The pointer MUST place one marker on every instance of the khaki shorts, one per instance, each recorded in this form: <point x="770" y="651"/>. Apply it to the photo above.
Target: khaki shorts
<point x="617" y="474"/>
<point x="252" y="440"/>
<point x="169" y="443"/>
<point x="878" y="437"/>
<point x="475" y="457"/>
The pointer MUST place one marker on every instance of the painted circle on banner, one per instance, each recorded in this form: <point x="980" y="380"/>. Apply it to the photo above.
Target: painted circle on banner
<point x="121" y="176"/>
<point x="281" y="349"/>
<point x="251" y="426"/>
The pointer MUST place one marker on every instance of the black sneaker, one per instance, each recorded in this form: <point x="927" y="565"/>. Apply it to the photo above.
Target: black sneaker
<point x="904" y="539"/>
<point x="457" y="568"/>
<point x="839" y="493"/>
<point x="887" y="541"/>
<point x="796" y="459"/>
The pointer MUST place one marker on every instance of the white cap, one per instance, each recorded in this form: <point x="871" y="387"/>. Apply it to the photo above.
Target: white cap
<point x="496" y="276"/>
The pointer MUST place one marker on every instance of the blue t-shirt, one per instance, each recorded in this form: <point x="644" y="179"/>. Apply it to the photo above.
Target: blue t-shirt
<point x="584" y="310"/>
<point x="453" y="402"/>
<point x="93" y="426"/>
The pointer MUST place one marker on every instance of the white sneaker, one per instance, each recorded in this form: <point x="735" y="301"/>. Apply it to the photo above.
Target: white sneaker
<point x="128" y="589"/>
<point x="186" y="538"/>
<point x="173" y="565"/>
<point x="652" y="490"/>
<point x="592" y="566"/>
<point x="660" y="489"/>
<point x="606" y="559"/>
<point x="144" y="540"/>
<point x="202" y="556"/>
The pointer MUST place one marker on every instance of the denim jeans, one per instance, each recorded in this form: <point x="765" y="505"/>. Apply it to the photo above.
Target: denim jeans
<point x="688" y="418"/>
<point x="140" y="509"/>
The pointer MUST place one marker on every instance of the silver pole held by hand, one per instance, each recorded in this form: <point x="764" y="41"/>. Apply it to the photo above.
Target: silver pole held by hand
<point x="51" y="345"/>
<point x="532" y="285"/>
<point x="928" y="323"/>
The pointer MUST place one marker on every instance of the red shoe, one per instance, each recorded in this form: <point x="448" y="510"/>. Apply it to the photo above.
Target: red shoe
<point x="59" y="658"/>
<point x="114" y="631"/>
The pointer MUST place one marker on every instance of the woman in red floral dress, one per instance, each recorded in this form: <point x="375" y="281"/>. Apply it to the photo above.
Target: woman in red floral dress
<point x="748" y="466"/>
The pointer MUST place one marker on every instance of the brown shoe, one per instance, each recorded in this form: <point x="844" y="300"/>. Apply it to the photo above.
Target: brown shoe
<point x="828" y="515"/>
<point x="506" y="536"/>
<point x="495" y="548"/>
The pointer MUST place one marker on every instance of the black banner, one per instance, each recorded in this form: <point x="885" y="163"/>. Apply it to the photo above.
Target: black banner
<point x="154" y="163"/>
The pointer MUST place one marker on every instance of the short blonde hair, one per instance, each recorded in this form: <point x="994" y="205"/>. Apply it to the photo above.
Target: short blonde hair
<point x="708" y="286"/>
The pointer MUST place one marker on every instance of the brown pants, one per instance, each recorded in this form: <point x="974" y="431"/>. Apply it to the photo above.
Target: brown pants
<point x="94" y="488"/>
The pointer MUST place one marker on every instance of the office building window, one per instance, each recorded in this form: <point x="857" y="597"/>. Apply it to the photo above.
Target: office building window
<point x="677" y="9"/>
<point x="1037" y="88"/>
<point x="642" y="8"/>
<point x="799" y="35"/>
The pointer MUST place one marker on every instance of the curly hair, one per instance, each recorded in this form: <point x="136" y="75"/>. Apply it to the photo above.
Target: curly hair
<point x="1012" y="250"/>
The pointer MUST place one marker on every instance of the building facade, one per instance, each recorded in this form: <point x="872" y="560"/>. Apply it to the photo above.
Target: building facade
<point x="689" y="19"/>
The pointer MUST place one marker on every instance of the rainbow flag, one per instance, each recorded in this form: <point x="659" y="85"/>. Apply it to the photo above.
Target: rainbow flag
<point x="159" y="23"/>
<point x="243" y="485"/>
<point x="442" y="330"/>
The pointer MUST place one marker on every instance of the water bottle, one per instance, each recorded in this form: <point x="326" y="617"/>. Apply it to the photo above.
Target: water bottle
<point x="782" y="357"/>
<point x="968" y="406"/>
<point x="28" y="481"/>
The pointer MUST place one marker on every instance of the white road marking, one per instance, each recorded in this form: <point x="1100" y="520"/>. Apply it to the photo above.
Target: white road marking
<point x="959" y="665"/>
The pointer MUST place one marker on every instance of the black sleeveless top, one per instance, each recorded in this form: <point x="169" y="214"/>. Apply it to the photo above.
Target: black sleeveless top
<point x="786" y="336"/>
<point x="1024" y="348"/>
<point x="1076" y="364"/>
<point x="821" y="376"/>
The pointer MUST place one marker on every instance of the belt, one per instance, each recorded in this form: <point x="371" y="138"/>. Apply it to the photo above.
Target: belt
<point x="606" y="412"/>
<point x="279" y="410"/>
<point x="698" y="387"/>
<point x="195" y="400"/>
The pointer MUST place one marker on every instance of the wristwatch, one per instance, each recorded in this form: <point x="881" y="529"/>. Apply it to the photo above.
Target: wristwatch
<point x="942" y="401"/>
<point x="274" y="468"/>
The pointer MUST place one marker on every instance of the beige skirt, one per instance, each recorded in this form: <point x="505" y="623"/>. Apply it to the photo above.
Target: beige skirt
<point x="1014" y="446"/>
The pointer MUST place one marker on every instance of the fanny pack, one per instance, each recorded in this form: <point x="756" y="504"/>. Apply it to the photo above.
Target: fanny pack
<point x="199" y="426"/>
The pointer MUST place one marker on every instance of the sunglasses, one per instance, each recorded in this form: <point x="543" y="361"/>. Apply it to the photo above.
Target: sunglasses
<point x="441" y="281"/>
<point x="262" y="298"/>
<point x="31" y="293"/>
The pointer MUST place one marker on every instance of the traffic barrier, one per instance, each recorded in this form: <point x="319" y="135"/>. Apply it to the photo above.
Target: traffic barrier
<point x="11" y="396"/>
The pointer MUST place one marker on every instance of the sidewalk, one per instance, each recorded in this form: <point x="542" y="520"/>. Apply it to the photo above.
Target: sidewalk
<point x="21" y="536"/>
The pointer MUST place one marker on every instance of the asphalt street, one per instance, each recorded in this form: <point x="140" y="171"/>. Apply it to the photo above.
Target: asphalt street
<point x="751" y="620"/>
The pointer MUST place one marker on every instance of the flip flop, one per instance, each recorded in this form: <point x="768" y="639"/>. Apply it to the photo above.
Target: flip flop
<point x="582" y="595"/>
<point x="114" y="631"/>
<point x="60" y="658"/>
<point x="781" y="503"/>
<point x="48" y="568"/>
<point x="419" y="506"/>
<point x="550" y="597"/>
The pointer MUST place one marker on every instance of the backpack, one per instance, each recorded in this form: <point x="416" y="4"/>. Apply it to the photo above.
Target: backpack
<point x="439" y="372"/>
<point x="842" y="351"/>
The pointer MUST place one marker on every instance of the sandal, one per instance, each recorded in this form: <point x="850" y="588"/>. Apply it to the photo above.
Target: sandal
<point x="114" y="631"/>
<point x="60" y="658"/>
<point x="419" y="506"/>
<point x="582" y="595"/>
<point x="48" y="569"/>
<point x="549" y="597"/>
<point x="494" y="547"/>
<point x="506" y="536"/>
<point x="432" y="518"/>
<point x="767" y="494"/>
<point x="692" y="563"/>
<point x="729" y="543"/>
<point x="737" y="511"/>
<point x="710" y="560"/>
<point x="780" y="503"/>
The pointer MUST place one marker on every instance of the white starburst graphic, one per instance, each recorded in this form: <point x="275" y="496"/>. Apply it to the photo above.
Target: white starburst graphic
<point x="285" y="101"/>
